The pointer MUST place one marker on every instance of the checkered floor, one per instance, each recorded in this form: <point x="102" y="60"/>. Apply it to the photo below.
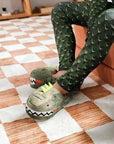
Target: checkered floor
<point x="26" y="44"/>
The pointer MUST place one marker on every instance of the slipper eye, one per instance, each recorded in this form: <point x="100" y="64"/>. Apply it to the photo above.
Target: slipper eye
<point x="54" y="96"/>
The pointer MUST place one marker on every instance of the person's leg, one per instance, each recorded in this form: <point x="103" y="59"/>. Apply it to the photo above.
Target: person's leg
<point x="99" y="40"/>
<point x="48" y="100"/>
<point x="64" y="15"/>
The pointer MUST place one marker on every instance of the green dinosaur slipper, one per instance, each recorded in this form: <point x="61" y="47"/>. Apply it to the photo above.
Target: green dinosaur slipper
<point x="45" y="102"/>
<point x="41" y="76"/>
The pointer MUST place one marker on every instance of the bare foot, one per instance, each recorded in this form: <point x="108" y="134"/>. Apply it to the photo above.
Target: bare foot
<point x="59" y="73"/>
<point x="57" y="86"/>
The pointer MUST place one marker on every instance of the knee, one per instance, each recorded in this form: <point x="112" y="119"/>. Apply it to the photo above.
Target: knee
<point x="57" y="10"/>
<point x="109" y="14"/>
<point x="107" y="18"/>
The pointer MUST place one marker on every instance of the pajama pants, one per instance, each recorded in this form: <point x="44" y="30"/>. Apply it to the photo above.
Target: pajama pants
<point x="98" y="17"/>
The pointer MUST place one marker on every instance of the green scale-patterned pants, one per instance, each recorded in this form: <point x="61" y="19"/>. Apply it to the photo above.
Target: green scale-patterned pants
<point x="98" y="17"/>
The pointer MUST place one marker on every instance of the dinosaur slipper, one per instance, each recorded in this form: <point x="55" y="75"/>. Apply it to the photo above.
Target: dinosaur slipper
<point x="45" y="102"/>
<point x="41" y="76"/>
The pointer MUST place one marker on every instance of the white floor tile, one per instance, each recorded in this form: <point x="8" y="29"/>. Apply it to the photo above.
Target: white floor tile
<point x="78" y="98"/>
<point x="51" y="36"/>
<point x="5" y="55"/>
<point x="27" y="40"/>
<point x="13" y="70"/>
<point x="39" y="49"/>
<point x="55" y="50"/>
<point x="103" y="134"/>
<point x="52" y="61"/>
<point x="36" y="34"/>
<point x="59" y="126"/>
<point x="26" y="58"/>
<point x="19" y="24"/>
<point x="7" y="38"/>
<point x="3" y="136"/>
<point x="25" y="29"/>
<point x="27" y="91"/>
<point x="106" y="104"/>
<point x="5" y="22"/>
<point x="18" y="33"/>
<point x="88" y="82"/>
<point x="13" y="113"/>
<point x="14" y="47"/>
<point x="2" y="32"/>
<point x="45" y="17"/>
<point x="48" y="143"/>
<point x="26" y="19"/>
<point x="47" y="42"/>
<point x="49" y="25"/>
<point x="10" y="27"/>
<point x="109" y="87"/>
<point x="45" y="30"/>
<point x="40" y="20"/>
<point x="5" y="84"/>
<point x="34" y="24"/>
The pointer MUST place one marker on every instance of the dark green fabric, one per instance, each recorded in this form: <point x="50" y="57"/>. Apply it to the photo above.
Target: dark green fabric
<point x="113" y="2"/>
<point x="100" y="23"/>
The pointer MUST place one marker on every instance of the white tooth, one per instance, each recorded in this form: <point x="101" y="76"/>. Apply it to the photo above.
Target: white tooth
<point x="31" y="83"/>
<point x="32" y="80"/>
<point x="30" y="112"/>
<point x="50" y="114"/>
<point x="35" y="114"/>
<point x="38" y="113"/>
<point x="46" y="113"/>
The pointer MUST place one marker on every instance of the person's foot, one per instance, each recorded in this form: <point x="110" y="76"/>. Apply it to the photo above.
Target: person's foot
<point x="56" y="85"/>
<point x="44" y="75"/>
<point x="59" y="73"/>
<point x="59" y="88"/>
<point x="46" y="101"/>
